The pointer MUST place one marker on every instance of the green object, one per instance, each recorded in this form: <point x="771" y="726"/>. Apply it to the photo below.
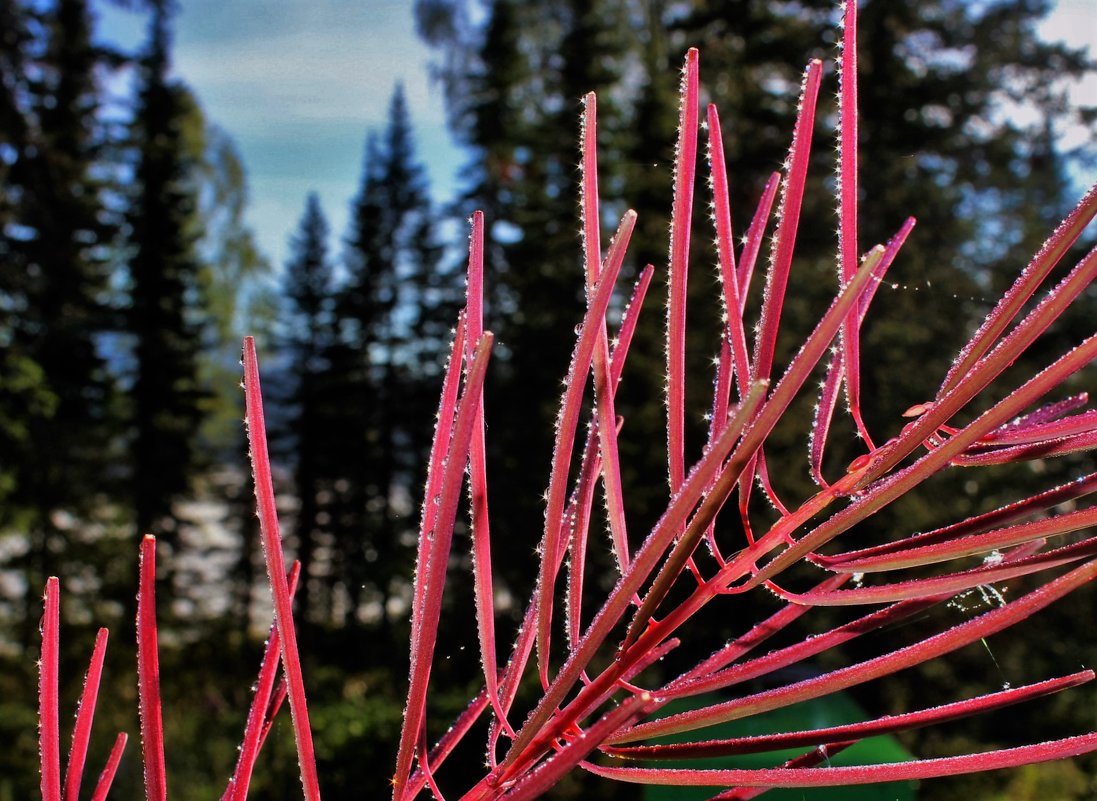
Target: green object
<point x="832" y="710"/>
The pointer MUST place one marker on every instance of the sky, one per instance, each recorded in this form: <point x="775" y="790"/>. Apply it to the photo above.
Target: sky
<point x="299" y="83"/>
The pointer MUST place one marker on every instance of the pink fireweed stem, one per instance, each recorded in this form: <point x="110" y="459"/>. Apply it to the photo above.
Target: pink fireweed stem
<point x="106" y="778"/>
<point x="733" y="344"/>
<point x="443" y="426"/>
<point x="973" y="381"/>
<point x="871" y="728"/>
<point x="687" y="542"/>
<point x="646" y="560"/>
<point x="434" y="573"/>
<point x="650" y="555"/>
<point x="848" y="251"/>
<point x="448" y="741"/>
<point x="1049" y="255"/>
<point x="752" y="246"/>
<point x="685" y="169"/>
<point x="567" y="422"/>
<point x="896" y="486"/>
<point x="730" y="296"/>
<point x="522" y="647"/>
<point x="996" y="518"/>
<point x="604" y="386"/>
<point x="958" y="582"/>
<point x="857" y="774"/>
<point x="788" y="214"/>
<point x="798" y="652"/>
<point x="237" y="789"/>
<point x="784" y="245"/>
<point x="49" y="714"/>
<point x="81" y="733"/>
<point x="478" y="479"/>
<point x="1007" y="537"/>
<point x="828" y="395"/>
<point x="148" y="677"/>
<point x="758" y="634"/>
<point x="578" y="517"/>
<point x="276" y="572"/>
<point x="817" y="756"/>
<point x="937" y="645"/>
<point x="549" y="772"/>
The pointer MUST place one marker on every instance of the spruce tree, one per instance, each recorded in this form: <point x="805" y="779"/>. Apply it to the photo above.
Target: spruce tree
<point x="305" y="338"/>
<point x="388" y="325"/>
<point x="57" y="235"/>
<point x="165" y="320"/>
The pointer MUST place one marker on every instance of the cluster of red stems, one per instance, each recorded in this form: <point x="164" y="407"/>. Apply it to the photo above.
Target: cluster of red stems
<point x="582" y="710"/>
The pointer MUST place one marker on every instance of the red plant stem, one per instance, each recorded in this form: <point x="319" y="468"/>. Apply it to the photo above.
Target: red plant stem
<point x="445" y="745"/>
<point x="81" y="733"/>
<point x="106" y="778"/>
<point x="748" y="257"/>
<point x="848" y="251"/>
<point x="1045" y="414"/>
<point x="651" y="553"/>
<point x="788" y="220"/>
<point x="579" y="521"/>
<point x="954" y="582"/>
<point x="237" y="789"/>
<point x="976" y="543"/>
<point x="628" y="323"/>
<point x="1034" y="504"/>
<point x="685" y="168"/>
<point x="757" y="635"/>
<point x="424" y="763"/>
<point x="451" y="385"/>
<point x="784" y="244"/>
<point x="871" y="728"/>
<point x="683" y="549"/>
<point x="808" y="760"/>
<point x="49" y="711"/>
<point x="731" y="296"/>
<point x="1040" y="433"/>
<point x="478" y="479"/>
<point x="148" y="676"/>
<point x="523" y="643"/>
<point x="828" y="396"/>
<point x="281" y="692"/>
<point x="836" y="680"/>
<point x="1046" y="449"/>
<point x="276" y="572"/>
<point x="904" y="481"/>
<point x="567" y="422"/>
<point x="592" y="696"/>
<point x="858" y="774"/>
<point x="604" y="386"/>
<point x="437" y="561"/>
<point x="646" y="560"/>
<point x="1050" y="253"/>
<point x="812" y="646"/>
<point x="973" y="381"/>
<point x="549" y="772"/>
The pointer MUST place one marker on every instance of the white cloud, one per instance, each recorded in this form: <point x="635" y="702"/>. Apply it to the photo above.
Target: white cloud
<point x="298" y="85"/>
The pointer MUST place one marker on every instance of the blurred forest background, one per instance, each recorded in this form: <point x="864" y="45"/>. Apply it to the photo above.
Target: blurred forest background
<point x="129" y="276"/>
